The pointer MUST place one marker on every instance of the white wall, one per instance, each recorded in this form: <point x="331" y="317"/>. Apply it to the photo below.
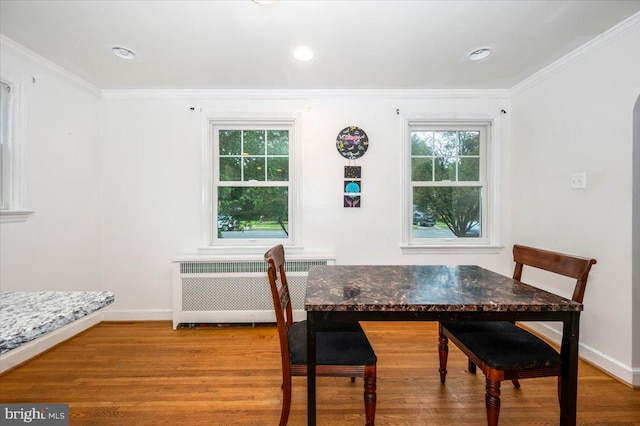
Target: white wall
<point x="580" y="119"/>
<point x="153" y="145"/>
<point x="59" y="246"/>
<point x="117" y="184"/>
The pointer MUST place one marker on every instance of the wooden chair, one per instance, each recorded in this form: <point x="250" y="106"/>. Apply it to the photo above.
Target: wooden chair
<point x="342" y="349"/>
<point x="504" y="351"/>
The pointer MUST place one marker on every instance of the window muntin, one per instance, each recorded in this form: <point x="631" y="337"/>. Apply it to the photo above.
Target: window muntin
<point x="252" y="191"/>
<point x="448" y="196"/>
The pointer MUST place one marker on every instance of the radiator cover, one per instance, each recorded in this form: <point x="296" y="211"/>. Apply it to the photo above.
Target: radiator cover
<point x="224" y="290"/>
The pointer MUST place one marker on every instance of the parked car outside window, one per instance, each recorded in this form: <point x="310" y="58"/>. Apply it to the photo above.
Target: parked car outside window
<point x="423" y="219"/>
<point x="227" y="223"/>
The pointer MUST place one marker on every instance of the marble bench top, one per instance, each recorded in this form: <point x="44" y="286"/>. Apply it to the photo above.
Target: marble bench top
<point x="27" y="315"/>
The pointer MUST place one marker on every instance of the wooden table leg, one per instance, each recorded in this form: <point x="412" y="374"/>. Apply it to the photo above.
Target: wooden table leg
<point x="569" y="369"/>
<point x="311" y="369"/>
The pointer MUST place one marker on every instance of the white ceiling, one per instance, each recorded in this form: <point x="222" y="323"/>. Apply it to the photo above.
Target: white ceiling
<point x="240" y="44"/>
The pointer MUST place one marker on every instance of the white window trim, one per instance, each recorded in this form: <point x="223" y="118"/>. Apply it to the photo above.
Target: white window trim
<point x="490" y="243"/>
<point x="243" y="246"/>
<point x="13" y="168"/>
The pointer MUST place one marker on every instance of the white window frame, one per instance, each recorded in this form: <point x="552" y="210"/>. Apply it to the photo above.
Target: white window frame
<point x="248" y="121"/>
<point x="13" y="198"/>
<point x="489" y="153"/>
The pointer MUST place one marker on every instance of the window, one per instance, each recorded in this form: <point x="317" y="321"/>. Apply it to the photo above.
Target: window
<point x="11" y="164"/>
<point x="253" y="193"/>
<point x="448" y="183"/>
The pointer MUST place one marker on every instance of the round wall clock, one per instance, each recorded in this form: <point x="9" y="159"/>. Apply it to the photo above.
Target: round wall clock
<point x="352" y="142"/>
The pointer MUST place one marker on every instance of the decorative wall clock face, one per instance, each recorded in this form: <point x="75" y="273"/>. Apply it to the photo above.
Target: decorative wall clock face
<point x="352" y="142"/>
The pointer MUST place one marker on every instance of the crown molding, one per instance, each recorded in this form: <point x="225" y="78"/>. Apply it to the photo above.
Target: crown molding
<point x="614" y="33"/>
<point x="305" y="94"/>
<point x="9" y="46"/>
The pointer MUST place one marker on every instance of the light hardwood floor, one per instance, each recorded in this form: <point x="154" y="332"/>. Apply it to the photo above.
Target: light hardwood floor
<point x="142" y="373"/>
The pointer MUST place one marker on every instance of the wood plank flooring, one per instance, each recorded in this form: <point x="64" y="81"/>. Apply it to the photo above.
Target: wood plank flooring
<point x="144" y="373"/>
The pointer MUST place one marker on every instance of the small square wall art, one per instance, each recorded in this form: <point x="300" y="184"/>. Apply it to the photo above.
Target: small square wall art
<point x="352" y="172"/>
<point x="352" y="201"/>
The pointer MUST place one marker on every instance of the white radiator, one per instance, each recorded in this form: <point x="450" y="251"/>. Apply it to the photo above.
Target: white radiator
<point x="226" y="290"/>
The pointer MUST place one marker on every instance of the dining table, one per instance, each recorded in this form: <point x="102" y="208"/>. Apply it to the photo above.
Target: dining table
<point x="437" y="293"/>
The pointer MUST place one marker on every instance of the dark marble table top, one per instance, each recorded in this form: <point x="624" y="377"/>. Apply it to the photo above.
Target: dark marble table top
<point x="464" y="288"/>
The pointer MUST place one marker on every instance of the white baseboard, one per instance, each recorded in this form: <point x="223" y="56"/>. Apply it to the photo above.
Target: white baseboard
<point x="222" y="316"/>
<point x="603" y="361"/>
<point x="138" y="315"/>
<point x="26" y="351"/>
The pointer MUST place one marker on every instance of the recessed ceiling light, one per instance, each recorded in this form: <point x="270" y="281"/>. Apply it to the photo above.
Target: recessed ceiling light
<point x="303" y="54"/>
<point x="264" y="1"/>
<point x="478" y="54"/>
<point x="123" y="53"/>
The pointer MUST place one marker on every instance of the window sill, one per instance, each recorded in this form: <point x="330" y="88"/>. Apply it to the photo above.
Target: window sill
<point x="217" y="254"/>
<point x="416" y="249"/>
<point x="9" y="216"/>
<point x="244" y="250"/>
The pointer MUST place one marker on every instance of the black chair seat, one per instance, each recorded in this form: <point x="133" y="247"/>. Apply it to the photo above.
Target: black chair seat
<point x="342" y="348"/>
<point x="504" y="351"/>
<point x="344" y="344"/>
<point x="503" y="345"/>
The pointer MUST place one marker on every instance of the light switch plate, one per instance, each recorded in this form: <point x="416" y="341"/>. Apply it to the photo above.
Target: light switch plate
<point x="578" y="180"/>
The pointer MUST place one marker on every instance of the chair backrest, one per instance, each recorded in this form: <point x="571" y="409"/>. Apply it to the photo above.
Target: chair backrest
<point x="281" y="297"/>
<point x="559" y="263"/>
